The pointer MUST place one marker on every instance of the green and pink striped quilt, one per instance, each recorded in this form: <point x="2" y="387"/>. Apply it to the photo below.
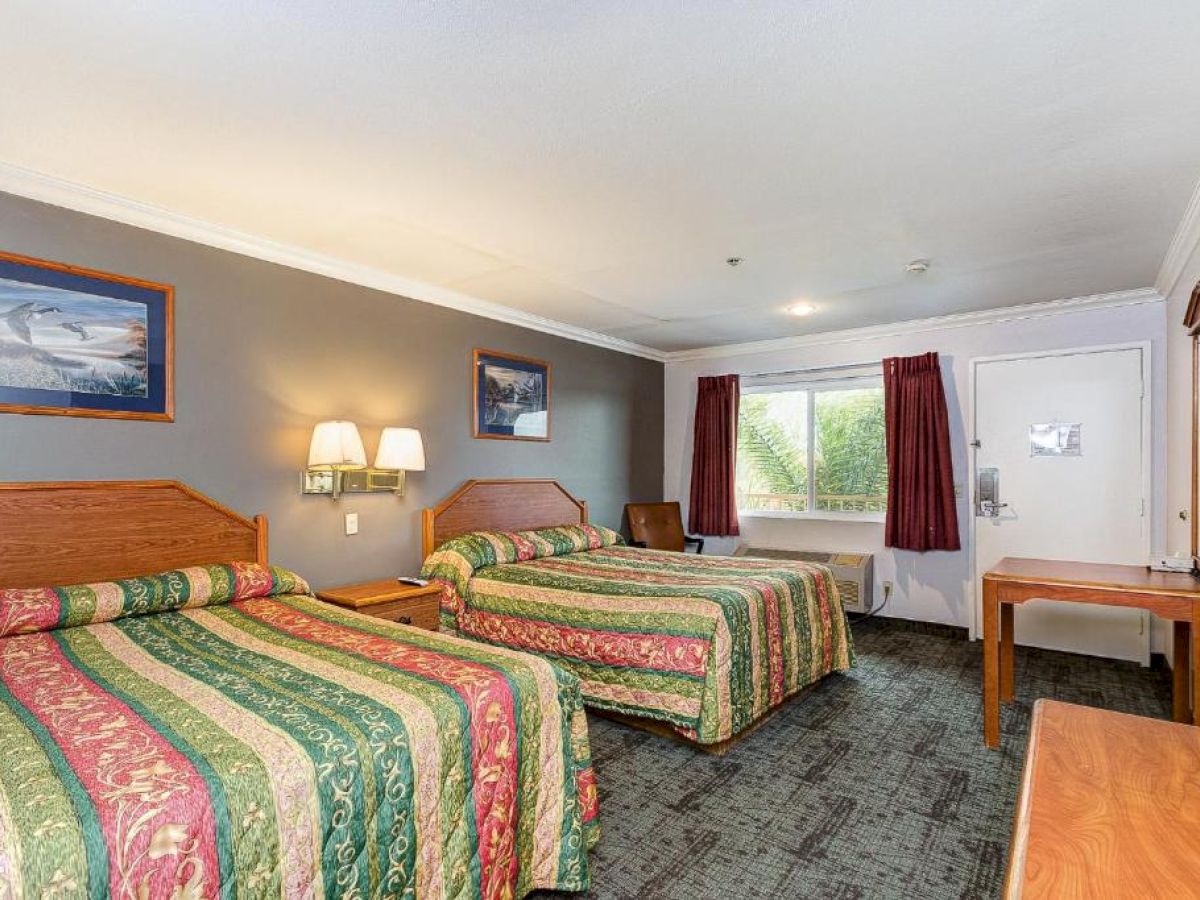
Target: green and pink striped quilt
<point x="708" y="644"/>
<point x="211" y="733"/>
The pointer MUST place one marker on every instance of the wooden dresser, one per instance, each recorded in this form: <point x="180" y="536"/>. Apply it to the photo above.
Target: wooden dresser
<point x="1109" y="807"/>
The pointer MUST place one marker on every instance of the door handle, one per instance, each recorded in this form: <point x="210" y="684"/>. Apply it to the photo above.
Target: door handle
<point x="990" y="508"/>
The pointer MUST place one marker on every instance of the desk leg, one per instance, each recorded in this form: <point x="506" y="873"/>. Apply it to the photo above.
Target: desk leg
<point x="1180" y="672"/>
<point x="1006" y="653"/>
<point x="991" y="664"/>
<point x="1195" y="660"/>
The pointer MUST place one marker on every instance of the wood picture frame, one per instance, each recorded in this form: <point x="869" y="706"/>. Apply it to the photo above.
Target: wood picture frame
<point x="520" y="375"/>
<point x="82" y="342"/>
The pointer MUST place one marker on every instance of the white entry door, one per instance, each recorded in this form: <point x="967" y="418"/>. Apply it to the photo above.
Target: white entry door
<point x="1064" y="437"/>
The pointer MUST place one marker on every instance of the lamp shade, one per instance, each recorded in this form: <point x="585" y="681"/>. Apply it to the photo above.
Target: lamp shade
<point x="401" y="448"/>
<point x="338" y="445"/>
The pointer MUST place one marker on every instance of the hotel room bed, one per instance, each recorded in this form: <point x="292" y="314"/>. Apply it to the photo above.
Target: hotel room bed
<point x="707" y="645"/>
<point x="216" y="730"/>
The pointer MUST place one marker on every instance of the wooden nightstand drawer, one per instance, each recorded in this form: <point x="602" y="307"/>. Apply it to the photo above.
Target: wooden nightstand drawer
<point x="423" y="613"/>
<point x="391" y="600"/>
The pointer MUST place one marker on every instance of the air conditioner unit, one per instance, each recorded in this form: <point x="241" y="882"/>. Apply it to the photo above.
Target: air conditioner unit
<point x="851" y="571"/>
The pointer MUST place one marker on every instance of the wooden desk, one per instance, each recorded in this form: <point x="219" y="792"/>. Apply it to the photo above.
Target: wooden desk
<point x="1109" y="807"/>
<point x="1014" y="580"/>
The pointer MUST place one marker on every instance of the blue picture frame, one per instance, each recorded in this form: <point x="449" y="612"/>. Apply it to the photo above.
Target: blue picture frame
<point x="511" y="397"/>
<point x="79" y="342"/>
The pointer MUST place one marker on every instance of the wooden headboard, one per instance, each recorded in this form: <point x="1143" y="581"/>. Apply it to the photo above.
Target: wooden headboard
<point x="501" y="504"/>
<point x="70" y="532"/>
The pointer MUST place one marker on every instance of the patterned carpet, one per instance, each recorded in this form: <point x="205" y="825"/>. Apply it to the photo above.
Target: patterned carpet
<point x="875" y="784"/>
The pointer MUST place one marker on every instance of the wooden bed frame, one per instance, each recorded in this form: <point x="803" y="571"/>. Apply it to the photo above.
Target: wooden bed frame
<point x="500" y="504"/>
<point x="522" y="504"/>
<point x="71" y="532"/>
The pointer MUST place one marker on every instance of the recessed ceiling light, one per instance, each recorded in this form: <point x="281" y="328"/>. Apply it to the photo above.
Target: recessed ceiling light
<point x="801" y="309"/>
<point x="917" y="267"/>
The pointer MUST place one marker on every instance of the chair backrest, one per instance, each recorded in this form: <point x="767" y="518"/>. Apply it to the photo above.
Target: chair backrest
<point x="658" y="525"/>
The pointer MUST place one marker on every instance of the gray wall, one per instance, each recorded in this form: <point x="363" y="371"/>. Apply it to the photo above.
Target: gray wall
<point x="263" y="352"/>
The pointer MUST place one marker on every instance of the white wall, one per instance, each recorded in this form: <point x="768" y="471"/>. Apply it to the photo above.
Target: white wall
<point x="933" y="586"/>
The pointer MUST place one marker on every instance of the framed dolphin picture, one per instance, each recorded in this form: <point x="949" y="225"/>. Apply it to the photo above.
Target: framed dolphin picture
<point x="76" y="342"/>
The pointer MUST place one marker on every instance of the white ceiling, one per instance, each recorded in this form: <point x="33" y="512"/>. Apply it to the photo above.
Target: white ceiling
<point x="596" y="163"/>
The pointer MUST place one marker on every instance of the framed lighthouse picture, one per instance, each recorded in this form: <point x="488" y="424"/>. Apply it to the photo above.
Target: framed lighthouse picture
<point x="77" y="342"/>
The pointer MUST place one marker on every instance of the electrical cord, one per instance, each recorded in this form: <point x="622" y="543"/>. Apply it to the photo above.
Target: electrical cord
<point x="862" y="617"/>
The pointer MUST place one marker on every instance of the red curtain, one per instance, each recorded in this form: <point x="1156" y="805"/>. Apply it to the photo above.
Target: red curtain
<point x="921" y="510"/>
<point x="713" y="506"/>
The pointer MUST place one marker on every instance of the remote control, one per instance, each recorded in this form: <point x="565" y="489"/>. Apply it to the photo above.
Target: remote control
<point x="408" y="579"/>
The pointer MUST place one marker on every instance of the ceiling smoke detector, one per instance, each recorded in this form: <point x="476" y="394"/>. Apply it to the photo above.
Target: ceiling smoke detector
<point x="735" y="261"/>
<point x="917" y="267"/>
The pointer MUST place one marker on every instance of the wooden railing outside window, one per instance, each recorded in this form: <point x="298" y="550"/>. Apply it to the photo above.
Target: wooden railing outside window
<point x="759" y="502"/>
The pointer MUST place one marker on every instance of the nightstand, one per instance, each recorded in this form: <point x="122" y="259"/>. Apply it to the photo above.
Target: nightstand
<point x="389" y="599"/>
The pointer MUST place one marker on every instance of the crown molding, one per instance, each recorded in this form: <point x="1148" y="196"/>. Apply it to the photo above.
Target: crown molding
<point x="92" y="201"/>
<point x="916" y="326"/>
<point x="1183" y="245"/>
<point x="81" y="198"/>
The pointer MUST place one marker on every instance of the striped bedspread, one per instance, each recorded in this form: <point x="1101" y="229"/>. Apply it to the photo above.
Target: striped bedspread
<point x="275" y="746"/>
<point x="708" y="644"/>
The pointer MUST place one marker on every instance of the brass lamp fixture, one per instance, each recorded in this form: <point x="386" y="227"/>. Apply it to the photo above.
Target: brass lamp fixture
<point x="337" y="461"/>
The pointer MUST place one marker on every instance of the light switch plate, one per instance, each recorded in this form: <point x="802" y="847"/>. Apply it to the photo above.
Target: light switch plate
<point x="351" y="523"/>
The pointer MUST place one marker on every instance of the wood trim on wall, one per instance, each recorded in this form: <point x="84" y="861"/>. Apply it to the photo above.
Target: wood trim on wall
<point x="73" y="532"/>
<point x="500" y="504"/>
<point x="1195" y="498"/>
<point x="1191" y="318"/>
<point x="1191" y="321"/>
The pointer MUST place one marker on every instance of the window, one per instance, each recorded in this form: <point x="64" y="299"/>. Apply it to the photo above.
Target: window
<point x="812" y="449"/>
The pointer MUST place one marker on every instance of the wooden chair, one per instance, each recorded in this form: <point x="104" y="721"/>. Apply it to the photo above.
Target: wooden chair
<point x="659" y="526"/>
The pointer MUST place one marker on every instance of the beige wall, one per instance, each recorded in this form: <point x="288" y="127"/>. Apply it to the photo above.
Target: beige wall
<point x="263" y="352"/>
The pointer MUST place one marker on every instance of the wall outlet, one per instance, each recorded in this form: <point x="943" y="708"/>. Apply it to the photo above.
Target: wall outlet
<point x="351" y="523"/>
<point x="887" y="591"/>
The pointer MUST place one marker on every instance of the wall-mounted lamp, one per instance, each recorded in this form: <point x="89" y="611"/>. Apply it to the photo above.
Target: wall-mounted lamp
<point x="400" y="450"/>
<point x="337" y="462"/>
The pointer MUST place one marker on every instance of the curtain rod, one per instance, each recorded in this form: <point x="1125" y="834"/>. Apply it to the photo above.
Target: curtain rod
<point x="814" y="370"/>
